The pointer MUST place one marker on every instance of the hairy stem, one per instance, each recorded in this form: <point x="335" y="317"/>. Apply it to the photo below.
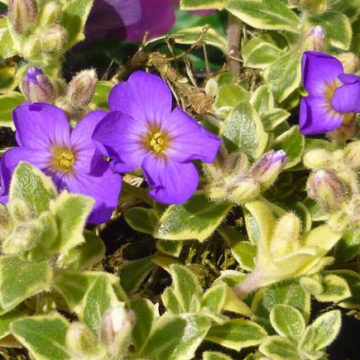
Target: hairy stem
<point x="248" y="285"/>
<point x="233" y="37"/>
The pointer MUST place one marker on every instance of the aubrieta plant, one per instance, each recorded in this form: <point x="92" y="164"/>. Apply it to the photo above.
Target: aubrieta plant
<point x="179" y="180"/>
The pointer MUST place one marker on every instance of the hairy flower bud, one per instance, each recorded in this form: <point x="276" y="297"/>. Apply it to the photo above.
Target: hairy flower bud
<point x="267" y="169"/>
<point x="82" y="87"/>
<point x="50" y="13"/>
<point x="317" y="159"/>
<point x="246" y="189"/>
<point x="327" y="188"/>
<point x="350" y="62"/>
<point x="22" y="14"/>
<point x="315" y="39"/>
<point x="352" y="155"/>
<point x="286" y="235"/>
<point x="37" y="86"/>
<point x="116" y="327"/>
<point x="53" y="39"/>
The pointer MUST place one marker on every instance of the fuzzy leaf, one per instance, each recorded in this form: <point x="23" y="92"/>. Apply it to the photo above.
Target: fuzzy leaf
<point x="171" y="301"/>
<point x="348" y="247"/>
<point x="212" y="355"/>
<point x="293" y="143"/>
<point x="196" y="219"/>
<point x="43" y="336"/>
<point x="187" y="332"/>
<point x="274" y="117"/>
<point x="244" y="252"/>
<point x="334" y="289"/>
<point x="353" y="280"/>
<point x="146" y="313"/>
<point x="21" y="279"/>
<point x="230" y="95"/>
<point x="322" y="331"/>
<point x="278" y="348"/>
<point x="259" y="54"/>
<point x="262" y="100"/>
<point x="243" y="130"/>
<point x="264" y="14"/>
<point x="287" y="321"/>
<point x="284" y="75"/>
<point x="237" y="334"/>
<point x="6" y="320"/>
<point x="8" y="102"/>
<point x="214" y="298"/>
<point x="169" y="247"/>
<point x="31" y="185"/>
<point x="74" y="16"/>
<point x="201" y="4"/>
<point x="140" y="219"/>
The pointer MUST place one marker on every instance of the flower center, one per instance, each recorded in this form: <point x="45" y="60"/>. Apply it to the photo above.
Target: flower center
<point x="156" y="141"/>
<point x="63" y="159"/>
<point x="329" y="93"/>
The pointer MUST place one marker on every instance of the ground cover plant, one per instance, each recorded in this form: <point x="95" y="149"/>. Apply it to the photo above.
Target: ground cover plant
<point x="179" y="179"/>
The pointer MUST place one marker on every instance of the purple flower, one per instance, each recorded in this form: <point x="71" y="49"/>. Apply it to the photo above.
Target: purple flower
<point x="37" y="86"/>
<point x="333" y="95"/>
<point x="143" y="131"/>
<point x="69" y="157"/>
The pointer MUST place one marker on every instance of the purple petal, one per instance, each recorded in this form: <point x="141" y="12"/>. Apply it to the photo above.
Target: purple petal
<point x="11" y="159"/>
<point x="318" y="70"/>
<point x="316" y="116"/>
<point x="348" y="78"/>
<point x="157" y="18"/>
<point x="40" y="125"/>
<point x="118" y="137"/>
<point x="105" y="189"/>
<point x="346" y="98"/>
<point x="144" y="97"/>
<point x="171" y="182"/>
<point x="189" y="140"/>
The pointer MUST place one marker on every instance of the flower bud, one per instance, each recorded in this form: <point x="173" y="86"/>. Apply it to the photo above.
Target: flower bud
<point x="246" y="189"/>
<point x="348" y="129"/>
<point x="82" y="87"/>
<point x="50" y="13"/>
<point x="53" y="39"/>
<point x="115" y="330"/>
<point x="82" y="342"/>
<point x="327" y="188"/>
<point x="350" y="62"/>
<point x="352" y="155"/>
<point x="37" y="86"/>
<point x="267" y="169"/>
<point x="317" y="159"/>
<point x="22" y="14"/>
<point x="286" y="235"/>
<point x="315" y="39"/>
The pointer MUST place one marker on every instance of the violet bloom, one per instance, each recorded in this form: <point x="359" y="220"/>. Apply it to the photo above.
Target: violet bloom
<point x="333" y="95"/>
<point x="142" y="130"/>
<point x="69" y="157"/>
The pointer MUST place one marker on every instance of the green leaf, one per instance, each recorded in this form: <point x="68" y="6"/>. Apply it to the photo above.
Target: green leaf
<point x="336" y="26"/>
<point x="353" y="280"/>
<point x="243" y="130"/>
<point x="74" y="16"/>
<point x="293" y="143"/>
<point x="186" y="288"/>
<point x="71" y="212"/>
<point x="237" y="334"/>
<point x="259" y="54"/>
<point x="287" y="321"/>
<point x="20" y="279"/>
<point x="196" y="219"/>
<point x="85" y="255"/>
<point x="43" y="336"/>
<point x="7" y="48"/>
<point x="169" y="247"/>
<point x="288" y="293"/>
<point x="191" y="35"/>
<point x="201" y="4"/>
<point x="146" y="313"/>
<point x="322" y="331"/>
<point x="262" y="100"/>
<point x="99" y="298"/>
<point x="278" y="348"/>
<point x="230" y="95"/>
<point x="264" y="14"/>
<point x="140" y="219"/>
<point x="6" y="320"/>
<point x="334" y="288"/>
<point x="171" y="301"/>
<point x="212" y="355"/>
<point x="133" y="272"/>
<point x="8" y="102"/>
<point x="244" y="252"/>
<point x="274" y="117"/>
<point x="284" y="75"/>
<point x="186" y="333"/>
<point x="28" y="183"/>
<point x="214" y="298"/>
<point x="102" y="91"/>
<point x="348" y="247"/>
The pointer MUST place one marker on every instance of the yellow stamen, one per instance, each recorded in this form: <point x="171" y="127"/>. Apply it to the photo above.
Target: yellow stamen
<point x="156" y="141"/>
<point x="63" y="159"/>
